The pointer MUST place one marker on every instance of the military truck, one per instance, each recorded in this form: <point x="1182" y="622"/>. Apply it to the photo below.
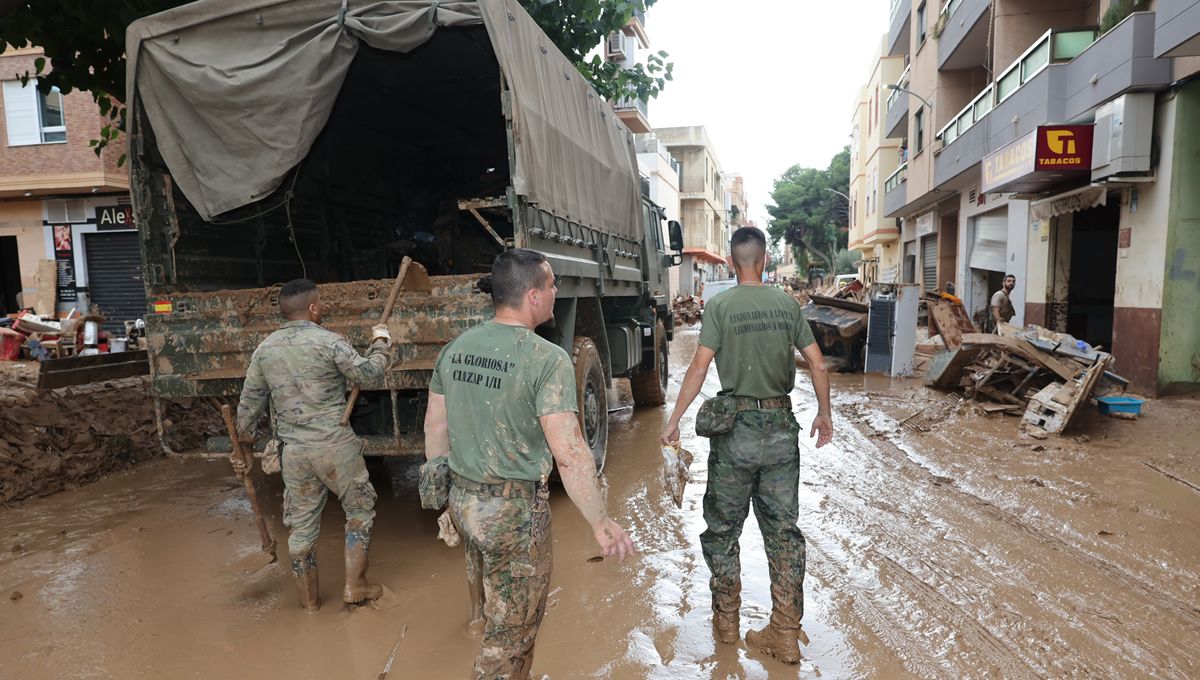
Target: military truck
<point x="272" y="140"/>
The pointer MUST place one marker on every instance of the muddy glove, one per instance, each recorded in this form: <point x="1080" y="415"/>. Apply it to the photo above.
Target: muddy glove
<point x="447" y="531"/>
<point x="380" y="332"/>
<point x="270" y="458"/>
<point x="434" y="484"/>
<point x="239" y="466"/>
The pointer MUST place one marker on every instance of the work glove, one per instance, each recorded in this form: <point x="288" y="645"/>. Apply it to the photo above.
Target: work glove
<point x="381" y="332"/>
<point x="271" y="462"/>
<point x="239" y="466"/>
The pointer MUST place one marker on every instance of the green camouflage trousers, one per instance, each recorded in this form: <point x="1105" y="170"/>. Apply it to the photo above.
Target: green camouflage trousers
<point x="309" y="473"/>
<point x="758" y="461"/>
<point x="507" y="540"/>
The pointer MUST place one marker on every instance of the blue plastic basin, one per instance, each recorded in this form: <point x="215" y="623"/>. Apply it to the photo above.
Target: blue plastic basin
<point x="1120" y="405"/>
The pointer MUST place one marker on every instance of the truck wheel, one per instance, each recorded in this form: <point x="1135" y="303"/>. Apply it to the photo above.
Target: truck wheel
<point x="592" y="397"/>
<point x="650" y="388"/>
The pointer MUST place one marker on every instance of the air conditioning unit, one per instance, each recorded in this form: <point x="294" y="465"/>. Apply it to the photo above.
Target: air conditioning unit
<point x="1122" y="139"/>
<point x="618" y="47"/>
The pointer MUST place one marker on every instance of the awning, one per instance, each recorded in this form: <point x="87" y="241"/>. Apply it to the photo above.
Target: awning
<point x="703" y="254"/>
<point x="1069" y="202"/>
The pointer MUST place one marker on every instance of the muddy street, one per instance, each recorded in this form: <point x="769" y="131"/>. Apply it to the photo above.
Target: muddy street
<point x="960" y="552"/>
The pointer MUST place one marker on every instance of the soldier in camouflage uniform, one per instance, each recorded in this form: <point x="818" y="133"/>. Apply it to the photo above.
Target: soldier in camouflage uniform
<point x="751" y="331"/>
<point x="502" y="410"/>
<point x="303" y="371"/>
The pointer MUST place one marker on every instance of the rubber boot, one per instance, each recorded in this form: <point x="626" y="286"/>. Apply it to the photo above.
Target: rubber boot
<point x="358" y="590"/>
<point x="726" y="616"/>
<point x="304" y="567"/>
<point x="780" y="637"/>
<point x="475" y="621"/>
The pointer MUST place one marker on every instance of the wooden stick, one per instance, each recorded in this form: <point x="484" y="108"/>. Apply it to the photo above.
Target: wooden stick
<point x="387" y="312"/>
<point x="268" y="543"/>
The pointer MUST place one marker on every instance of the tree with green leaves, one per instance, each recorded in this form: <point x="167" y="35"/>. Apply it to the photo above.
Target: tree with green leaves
<point x="84" y="45"/>
<point x="811" y="211"/>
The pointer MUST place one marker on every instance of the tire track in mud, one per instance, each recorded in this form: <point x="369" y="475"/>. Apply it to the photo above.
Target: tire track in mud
<point x="907" y="648"/>
<point x="1133" y="650"/>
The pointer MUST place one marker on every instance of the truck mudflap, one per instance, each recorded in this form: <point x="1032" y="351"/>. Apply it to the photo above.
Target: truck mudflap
<point x="200" y="343"/>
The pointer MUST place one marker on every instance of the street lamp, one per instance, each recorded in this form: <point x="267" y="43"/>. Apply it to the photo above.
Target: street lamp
<point x="894" y="86"/>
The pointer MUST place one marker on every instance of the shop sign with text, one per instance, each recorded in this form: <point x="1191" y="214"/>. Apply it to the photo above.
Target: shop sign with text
<point x="1064" y="147"/>
<point x="114" y="217"/>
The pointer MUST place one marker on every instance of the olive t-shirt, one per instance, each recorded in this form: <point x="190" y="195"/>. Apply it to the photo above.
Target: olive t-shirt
<point x="498" y="381"/>
<point x="753" y="329"/>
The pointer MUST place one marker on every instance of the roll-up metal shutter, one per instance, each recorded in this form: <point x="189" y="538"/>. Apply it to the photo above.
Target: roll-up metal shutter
<point x="929" y="262"/>
<point x="989" y="246"/>
<point x="114" y="266"/>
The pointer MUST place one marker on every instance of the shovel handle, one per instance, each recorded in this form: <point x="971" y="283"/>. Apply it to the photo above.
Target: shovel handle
<point x="387" y="313"/>
<point x="268" y="543"/>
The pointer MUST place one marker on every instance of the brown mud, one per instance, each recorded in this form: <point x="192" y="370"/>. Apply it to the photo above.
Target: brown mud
<point x="51" y="440"/>
<point x="961" y="552"/>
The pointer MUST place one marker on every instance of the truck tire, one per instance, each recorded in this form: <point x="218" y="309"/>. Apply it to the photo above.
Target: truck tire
<point x="650" y="388"/>
<point x="592" y="397"/>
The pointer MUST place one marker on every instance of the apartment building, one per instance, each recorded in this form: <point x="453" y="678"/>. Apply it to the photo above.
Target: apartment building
<point x="736" y="203"/>
<point x="67" y="237"/>
<point x="874" y="157"/>
<point x="661" y="171"/>
<point x="658" y="169"/>
<point x="1057" y="140"/>
<point x="702" y="206"/>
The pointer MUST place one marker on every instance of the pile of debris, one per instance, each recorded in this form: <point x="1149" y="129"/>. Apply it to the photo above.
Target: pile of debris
<point x="55" y="439"/>
<point x="687" y="309"/>
<point x="1043" y="375"/>
<point x="73" y="350"/>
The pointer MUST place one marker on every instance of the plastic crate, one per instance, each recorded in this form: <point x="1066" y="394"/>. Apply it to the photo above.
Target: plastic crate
<point x="1120" y="405"/>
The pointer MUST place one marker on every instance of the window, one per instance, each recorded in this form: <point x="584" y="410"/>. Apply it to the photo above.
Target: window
<point x="32" y="117"/>
<point x="921" y="25"/>
<point x="919" y="128"/>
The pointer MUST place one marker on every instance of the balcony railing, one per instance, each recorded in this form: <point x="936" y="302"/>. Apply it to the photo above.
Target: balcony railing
<point x="1051" y="48"/>
<point x="896" y="178"/>
<point x="627" y="103"/>
<point x="903" y="83"/>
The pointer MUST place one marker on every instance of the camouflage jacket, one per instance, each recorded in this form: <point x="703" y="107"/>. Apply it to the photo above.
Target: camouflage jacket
<point x="303" y="370"/>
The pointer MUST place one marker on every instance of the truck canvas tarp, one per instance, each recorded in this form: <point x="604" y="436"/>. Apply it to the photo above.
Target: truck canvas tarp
<point x="278" y="139"/>
<point x="237" y="92"/>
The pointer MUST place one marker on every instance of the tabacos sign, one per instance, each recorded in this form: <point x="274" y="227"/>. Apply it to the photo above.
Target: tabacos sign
<point x="1064" y="147"/>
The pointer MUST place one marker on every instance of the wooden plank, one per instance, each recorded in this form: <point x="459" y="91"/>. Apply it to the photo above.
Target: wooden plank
<point x="839" y="303"/>
<point x="944" y="322"/>
<point x="80" y="370"/>
<point x="1025" y="349"/>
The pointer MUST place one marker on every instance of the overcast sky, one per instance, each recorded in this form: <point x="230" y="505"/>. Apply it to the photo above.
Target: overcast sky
<point x="773" y="81"/>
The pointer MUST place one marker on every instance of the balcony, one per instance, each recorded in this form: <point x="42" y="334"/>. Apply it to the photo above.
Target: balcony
<point x="1121" y="61"/>
<point x="637" y="28"/>
<point x="895" y="193"/>
<point x="900" y="28"/>
<point x="1027" y="94"/>
<point x="962" y="42"/>
<point x="1177" y="28"/>
<point x="634" y="113"/>
<point x="896" y="118"/>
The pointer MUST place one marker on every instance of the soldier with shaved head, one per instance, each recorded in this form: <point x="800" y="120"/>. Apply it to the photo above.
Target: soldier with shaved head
<point x="303" y="372"/>
<point x="752" y="331"/>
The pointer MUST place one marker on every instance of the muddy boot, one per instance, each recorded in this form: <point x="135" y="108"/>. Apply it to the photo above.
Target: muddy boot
<point x="780" y="637"/>
<point x="726" y="617"/>
<point x="304" y="566"/>
<point x="358" y="590"/>
<point x="475" y="621"/>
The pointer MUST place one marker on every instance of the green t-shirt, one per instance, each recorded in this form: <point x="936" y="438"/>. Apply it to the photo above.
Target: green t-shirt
<point x="753" y="329"/>
<point x="498" y="381"/>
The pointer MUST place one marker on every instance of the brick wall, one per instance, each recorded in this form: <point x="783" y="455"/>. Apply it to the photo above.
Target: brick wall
<point x="83" y="123"/>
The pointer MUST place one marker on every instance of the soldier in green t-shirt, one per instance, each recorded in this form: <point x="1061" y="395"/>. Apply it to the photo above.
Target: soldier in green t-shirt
<point x="752" y="331"/>
<point x="502" y="410"/>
